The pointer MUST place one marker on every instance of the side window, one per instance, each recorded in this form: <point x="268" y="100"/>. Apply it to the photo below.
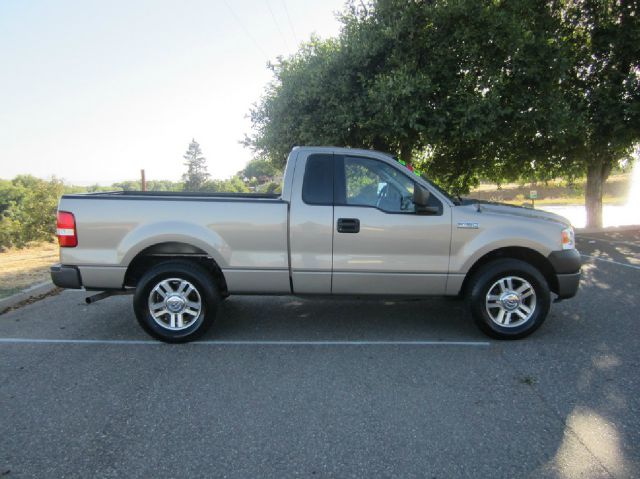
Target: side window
<point x="374" y="183"/>
<point x="317" y="185"/>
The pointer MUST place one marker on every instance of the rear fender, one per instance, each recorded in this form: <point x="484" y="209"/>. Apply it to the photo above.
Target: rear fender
<point x="154" y="233"/>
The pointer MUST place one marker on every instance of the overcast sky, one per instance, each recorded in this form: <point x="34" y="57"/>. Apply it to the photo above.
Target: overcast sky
<point x="92" y="91"/>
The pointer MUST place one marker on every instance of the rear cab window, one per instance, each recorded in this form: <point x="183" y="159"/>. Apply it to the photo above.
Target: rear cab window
<point x="317" y="185"/>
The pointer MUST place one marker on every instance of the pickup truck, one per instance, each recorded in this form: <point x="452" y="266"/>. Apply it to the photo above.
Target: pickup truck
<point x="348" y="222"/>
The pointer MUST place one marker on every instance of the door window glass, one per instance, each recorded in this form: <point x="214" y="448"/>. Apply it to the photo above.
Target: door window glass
<point x="374" y="183"/>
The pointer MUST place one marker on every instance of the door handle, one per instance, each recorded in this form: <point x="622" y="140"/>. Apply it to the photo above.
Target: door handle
<point x="348" y="225"/>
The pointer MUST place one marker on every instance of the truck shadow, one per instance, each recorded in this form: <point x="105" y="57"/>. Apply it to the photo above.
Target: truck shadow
<point x="354" y="318"/>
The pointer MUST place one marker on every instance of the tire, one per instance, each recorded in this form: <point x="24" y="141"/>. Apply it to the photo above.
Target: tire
<point x="188" y="307"/>
<point x="492" y="289"/>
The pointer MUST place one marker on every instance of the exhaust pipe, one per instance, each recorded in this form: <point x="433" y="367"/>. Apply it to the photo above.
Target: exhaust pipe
<point x="106" y="294"/>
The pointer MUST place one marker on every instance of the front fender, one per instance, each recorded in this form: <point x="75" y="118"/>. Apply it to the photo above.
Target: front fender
<point x="466" y="251"/>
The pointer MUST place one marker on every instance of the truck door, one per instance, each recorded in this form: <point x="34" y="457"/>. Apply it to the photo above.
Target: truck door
<point x="380" y="244"/>
<point x="311" y="224"/>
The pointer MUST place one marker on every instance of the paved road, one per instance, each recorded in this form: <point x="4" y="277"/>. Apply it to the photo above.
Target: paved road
<point x="389" y="403"/>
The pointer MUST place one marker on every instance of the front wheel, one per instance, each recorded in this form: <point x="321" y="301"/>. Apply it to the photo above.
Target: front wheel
<point x="508" y="299"/>
<point x="176" y="301"/>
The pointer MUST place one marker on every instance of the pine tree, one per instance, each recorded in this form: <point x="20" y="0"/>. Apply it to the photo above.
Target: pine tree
<point x="197" y="174"/>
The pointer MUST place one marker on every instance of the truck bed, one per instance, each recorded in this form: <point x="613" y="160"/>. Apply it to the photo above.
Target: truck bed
<point x="246" y="234"/>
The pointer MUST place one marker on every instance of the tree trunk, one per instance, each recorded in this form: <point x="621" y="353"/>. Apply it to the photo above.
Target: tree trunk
<point x="597" y="173"/>
<point x="405" y="153"/>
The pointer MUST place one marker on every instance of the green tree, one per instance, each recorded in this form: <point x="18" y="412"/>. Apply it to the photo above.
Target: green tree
<point x="602" y="89"/>
<point x="503" y="90"/>
<point x="260" y="168"/>
<point x="129" y="185"/>
<point x="152" y="185"/>
<point x="290" y="112"/>
<point x="10" y="194"/>
<point x="28" y="210"/>
<point x="164" y="185"/>
<point x="232" y="185"/>
<point x="434" y="82"/>
<point x="37" y="213"/>
<point x="197" y="174"/>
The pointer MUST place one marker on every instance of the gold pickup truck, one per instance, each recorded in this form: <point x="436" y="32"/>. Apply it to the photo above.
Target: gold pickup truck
<point x="348" y="222"/>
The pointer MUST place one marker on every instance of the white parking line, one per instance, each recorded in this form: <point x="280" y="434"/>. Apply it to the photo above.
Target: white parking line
<point x="246" y="343"/>
<point x="633" y="266"/>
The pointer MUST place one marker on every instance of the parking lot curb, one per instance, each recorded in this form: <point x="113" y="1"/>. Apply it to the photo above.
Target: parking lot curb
<point x="26" y="294"/>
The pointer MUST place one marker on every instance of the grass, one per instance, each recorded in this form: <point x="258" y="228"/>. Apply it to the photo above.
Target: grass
<point x="21" y="268"/>
<point x="555" y="192"/>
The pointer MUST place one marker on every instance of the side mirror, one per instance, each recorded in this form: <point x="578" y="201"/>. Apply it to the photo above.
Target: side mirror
<point x="421" y="201"/>
<point x="420" y="195"/>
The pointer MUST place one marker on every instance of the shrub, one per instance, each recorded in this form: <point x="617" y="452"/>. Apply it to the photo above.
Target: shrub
<point x="28" y="210"/>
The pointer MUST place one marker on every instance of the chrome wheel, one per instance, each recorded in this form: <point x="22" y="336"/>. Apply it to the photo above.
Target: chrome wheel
<point x="175" y="304"/>
<point x="511" y="301"/>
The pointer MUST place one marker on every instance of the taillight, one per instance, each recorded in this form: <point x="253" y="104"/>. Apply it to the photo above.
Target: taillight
<point x="66" y="230"/>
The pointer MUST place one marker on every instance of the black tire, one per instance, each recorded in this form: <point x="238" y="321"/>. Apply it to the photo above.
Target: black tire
<point x="484" y="280"/>
<point x="207" y="293"/>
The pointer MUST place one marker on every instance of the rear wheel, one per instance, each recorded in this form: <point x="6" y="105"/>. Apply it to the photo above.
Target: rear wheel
<point x="176" y="301"/>
<point x="508" y="299"/>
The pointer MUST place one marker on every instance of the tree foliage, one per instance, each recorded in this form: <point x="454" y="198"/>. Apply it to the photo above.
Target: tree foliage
<point x="260" y="168"/>
<point x="502" y="90"/>
<point x="602" y="88"/>
<point x="136" y="185"/>
<point x="232" y="185"/>
<point x="28" y="210"/>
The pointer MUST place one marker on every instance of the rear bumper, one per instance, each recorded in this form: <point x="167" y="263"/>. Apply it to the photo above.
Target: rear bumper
<point x="566" y="265"/>
<point x="66" y="276"/>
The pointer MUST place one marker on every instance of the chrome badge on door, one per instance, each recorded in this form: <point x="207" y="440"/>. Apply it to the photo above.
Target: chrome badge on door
<point x="468" y="225"/>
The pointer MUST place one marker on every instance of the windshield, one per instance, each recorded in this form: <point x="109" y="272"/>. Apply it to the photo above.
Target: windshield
<point x="435" y="187"/>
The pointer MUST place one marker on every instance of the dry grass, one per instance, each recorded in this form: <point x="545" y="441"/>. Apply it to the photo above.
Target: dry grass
<point x="555" y="192"/>
<point x="21" y="268"/>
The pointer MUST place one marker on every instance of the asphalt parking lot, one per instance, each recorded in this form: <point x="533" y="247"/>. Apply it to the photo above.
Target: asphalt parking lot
<point x="291" y="387"/>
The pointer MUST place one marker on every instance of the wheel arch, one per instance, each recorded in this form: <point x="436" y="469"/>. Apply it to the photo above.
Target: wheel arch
<point x="172" y="250"/>
<point x="528" y="255"/>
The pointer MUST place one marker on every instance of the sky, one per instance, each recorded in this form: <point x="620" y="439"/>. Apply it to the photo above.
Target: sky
<point x="92" y="91"/>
